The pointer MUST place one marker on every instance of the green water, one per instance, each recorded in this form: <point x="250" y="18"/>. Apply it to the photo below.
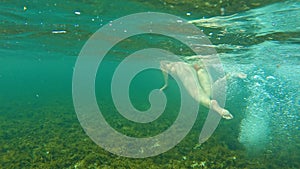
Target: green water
<point x="38" y="124"/>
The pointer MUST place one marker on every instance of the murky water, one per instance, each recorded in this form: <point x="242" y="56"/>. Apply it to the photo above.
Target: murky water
<point x="259" y="48"/>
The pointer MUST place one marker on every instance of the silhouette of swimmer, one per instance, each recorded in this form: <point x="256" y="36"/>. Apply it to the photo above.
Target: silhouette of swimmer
<point x="197" y="82"/>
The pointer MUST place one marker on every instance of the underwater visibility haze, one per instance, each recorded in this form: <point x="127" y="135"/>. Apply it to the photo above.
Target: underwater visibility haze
<point x="258" y="43"/>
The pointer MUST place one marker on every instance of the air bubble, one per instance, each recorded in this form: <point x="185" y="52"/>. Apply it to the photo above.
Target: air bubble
<point x="77" y="12"/>
<point x="59" y="31"/>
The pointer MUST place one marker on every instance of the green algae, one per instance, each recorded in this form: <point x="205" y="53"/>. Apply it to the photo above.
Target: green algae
<point x="51" y="137"/>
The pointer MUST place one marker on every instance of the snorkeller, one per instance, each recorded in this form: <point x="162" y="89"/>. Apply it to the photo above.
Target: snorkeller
<point x="197" y="82"/>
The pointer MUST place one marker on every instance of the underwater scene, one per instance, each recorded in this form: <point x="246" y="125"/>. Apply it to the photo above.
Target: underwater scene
<point x="256" y="42"/>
